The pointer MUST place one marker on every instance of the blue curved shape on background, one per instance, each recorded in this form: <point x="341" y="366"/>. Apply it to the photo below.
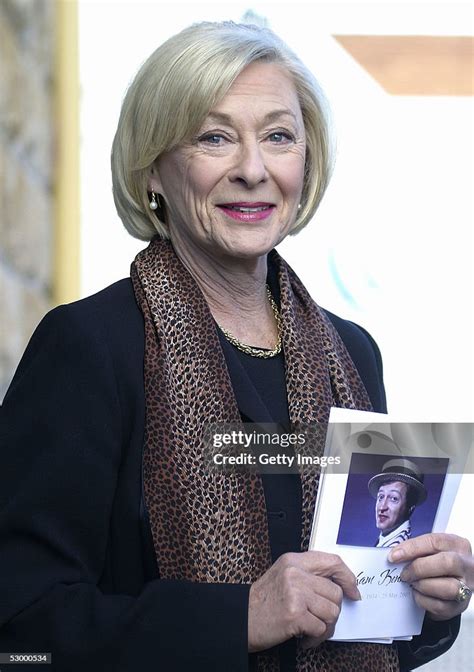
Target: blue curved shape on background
<point x="343" y="290"/>
<point x="348" y="297"/>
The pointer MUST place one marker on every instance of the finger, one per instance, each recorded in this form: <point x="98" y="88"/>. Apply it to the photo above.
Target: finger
<point x="310" y="626"/>
<point x="319" y="596"/>
<point x="323" y="564"/>
<point x="439" y="610"/>
<point x="303" y="591"/>
<point x="319" y="585"/>
<point x="429" y="544"/>
<point x="314" y="642"/>
<point x="330" y="566"/>
<point x="447" y="564"/>
<point x="446" y="588"/>
<point x="323" y="609"/>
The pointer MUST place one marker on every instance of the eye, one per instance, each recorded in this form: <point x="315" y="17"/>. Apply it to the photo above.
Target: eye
<point x="214" y="139"/>
<point x="280" y="137"/>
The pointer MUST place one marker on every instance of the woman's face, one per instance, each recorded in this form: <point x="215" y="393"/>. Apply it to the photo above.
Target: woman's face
<point x="234" y="189"/>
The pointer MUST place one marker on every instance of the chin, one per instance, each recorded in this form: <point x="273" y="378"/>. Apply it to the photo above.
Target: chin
<point x="248" y="253"/>
<point x="252" y="246"/>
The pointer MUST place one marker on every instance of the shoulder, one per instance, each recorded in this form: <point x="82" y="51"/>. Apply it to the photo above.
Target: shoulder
<point x="356" y="339"/>
<point x="103" y="332"/>
<point x="366" y="356"/>
<point x="109" y="317"/>
<point x="107" y="324"/>
<point x="115" y="305"/>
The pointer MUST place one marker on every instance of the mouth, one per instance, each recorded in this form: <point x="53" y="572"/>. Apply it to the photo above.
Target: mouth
<point x="247" y="212"/>
<point x="382" y="518"/>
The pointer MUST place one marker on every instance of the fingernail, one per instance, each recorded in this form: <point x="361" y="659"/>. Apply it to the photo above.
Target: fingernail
<point x="359" y="595"/>
<point x="395" y="555"/>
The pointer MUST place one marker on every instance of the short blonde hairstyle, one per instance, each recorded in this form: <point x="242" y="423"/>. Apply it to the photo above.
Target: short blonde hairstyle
<point x="174" y="91"/>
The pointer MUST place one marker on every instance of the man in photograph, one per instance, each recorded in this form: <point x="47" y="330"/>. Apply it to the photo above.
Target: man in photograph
<point x="398" y="490"/>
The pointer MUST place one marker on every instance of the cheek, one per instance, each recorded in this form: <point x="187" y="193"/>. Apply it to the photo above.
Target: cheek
<point x="198" y="187"/>
<point x="294" y="175"/>
<point x="183" y="183"/>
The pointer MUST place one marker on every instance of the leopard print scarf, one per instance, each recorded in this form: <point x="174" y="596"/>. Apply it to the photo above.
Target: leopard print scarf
<point x="212" y="527"/>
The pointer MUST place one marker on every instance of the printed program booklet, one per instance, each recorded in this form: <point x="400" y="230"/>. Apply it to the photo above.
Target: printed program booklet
<point x="387" y="473"/>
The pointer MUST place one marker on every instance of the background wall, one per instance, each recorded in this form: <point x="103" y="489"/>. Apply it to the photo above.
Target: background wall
<point x="27" y="48"/>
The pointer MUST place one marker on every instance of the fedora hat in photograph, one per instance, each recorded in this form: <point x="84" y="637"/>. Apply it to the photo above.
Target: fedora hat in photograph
<point x="400" y="469"/>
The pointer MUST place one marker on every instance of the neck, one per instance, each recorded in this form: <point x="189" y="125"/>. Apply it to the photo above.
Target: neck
<point x="235" y="291"/>
<point x="230" y="286"/>
<point x="404" y="524"/>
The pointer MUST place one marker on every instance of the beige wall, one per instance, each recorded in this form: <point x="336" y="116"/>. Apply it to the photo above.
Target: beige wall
<point x="35" y="180"/>
<point x="26" y="173"/>
<point x="415" y="65"/>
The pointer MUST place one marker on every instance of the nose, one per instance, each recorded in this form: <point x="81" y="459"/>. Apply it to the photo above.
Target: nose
<point x="382" y="504"/>
<point x="249" y="167"/>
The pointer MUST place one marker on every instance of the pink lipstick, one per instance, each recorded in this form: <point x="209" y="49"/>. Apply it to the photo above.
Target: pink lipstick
<point x="247" y="212"/>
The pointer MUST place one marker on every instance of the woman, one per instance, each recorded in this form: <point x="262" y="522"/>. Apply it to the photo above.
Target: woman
<point x="222" y="149"/>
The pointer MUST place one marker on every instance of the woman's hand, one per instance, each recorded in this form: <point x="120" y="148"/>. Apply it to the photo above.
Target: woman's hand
<point x="299" y="596"/>
<point x="439" y="566"/>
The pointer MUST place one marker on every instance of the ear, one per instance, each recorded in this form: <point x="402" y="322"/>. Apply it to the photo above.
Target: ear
<point x="154" y="181"/>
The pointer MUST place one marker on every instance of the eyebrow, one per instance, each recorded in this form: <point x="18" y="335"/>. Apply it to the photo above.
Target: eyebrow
<point x="274" y="115"/>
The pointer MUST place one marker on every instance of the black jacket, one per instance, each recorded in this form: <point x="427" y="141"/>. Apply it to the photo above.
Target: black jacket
<point x="77" y="571"/>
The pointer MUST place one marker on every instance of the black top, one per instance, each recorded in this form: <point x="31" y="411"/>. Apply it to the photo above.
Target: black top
<point x="282" y="491"/>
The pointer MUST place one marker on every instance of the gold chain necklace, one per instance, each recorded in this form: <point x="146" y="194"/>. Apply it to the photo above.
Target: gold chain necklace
<point x="250" y="349"/>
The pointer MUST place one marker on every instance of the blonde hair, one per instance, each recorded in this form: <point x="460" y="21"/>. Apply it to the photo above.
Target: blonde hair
<point x="174" y="91"/>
